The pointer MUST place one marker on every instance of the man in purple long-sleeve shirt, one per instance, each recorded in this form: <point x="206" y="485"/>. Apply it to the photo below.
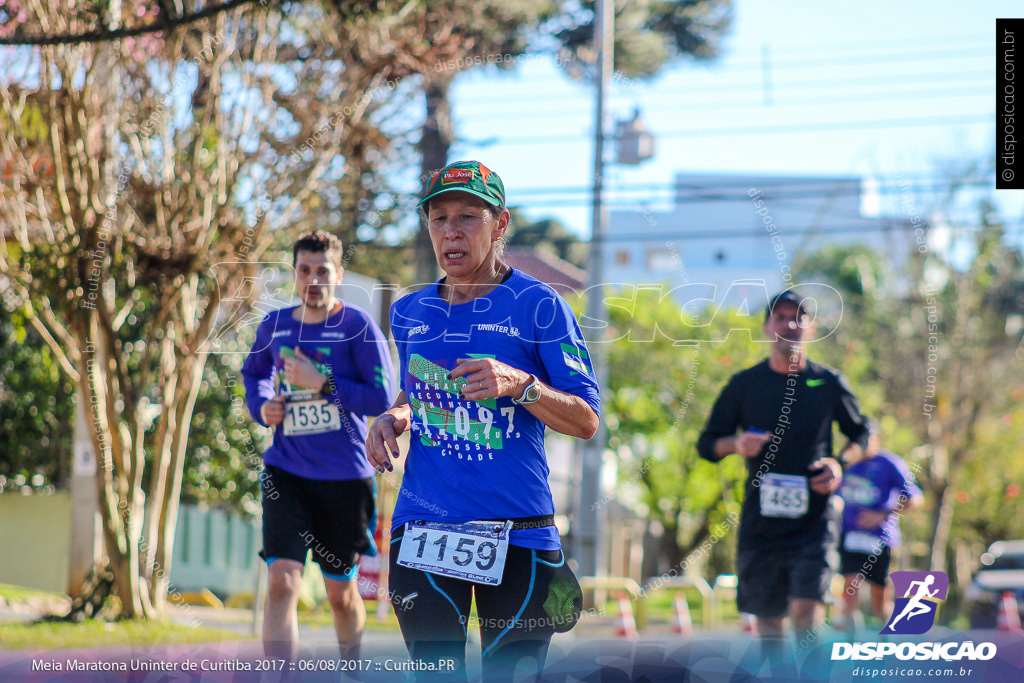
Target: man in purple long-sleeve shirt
<point x="313" y="374"/>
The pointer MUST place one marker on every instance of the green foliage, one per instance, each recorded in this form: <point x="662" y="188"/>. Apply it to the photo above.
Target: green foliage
<point x="36" y="406"/>
<point x="549" y="235"/>
<point x="667" y="370"/>
<point x="648" y="34"/>
<point x="931" y="355"/>
<point x="225" y="453"/>
<point x="37" y="410"/>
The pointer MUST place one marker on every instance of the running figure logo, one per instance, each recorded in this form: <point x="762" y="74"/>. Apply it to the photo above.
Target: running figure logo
<point x="921" y="593"/>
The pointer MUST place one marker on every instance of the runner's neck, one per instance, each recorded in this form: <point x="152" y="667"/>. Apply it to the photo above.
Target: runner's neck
<point x="313" y="316"/>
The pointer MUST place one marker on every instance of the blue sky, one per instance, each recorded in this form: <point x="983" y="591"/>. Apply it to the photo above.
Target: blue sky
<point x="878" y="89"/>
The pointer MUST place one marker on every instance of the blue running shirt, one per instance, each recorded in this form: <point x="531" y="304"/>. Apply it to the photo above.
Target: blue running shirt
<point x="484" y="460"/>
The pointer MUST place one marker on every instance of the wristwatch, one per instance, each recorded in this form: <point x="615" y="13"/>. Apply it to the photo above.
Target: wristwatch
<point x="328" y="386"/>
<point x="531" y="394"/>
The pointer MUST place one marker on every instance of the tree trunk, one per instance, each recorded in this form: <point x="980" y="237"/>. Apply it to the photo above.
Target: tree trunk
<point x="121" y="512"/>
<point x="942" y="522"/>
<point x="437" y="137"/>
<point x="191" y="376"/>
<point x="670" y="549"/>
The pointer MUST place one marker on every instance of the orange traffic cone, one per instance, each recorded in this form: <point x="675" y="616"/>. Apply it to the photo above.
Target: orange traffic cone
<point x="625" y="625"/>
<point x="683" y="624"/>
<point x="1008" y="617"/>
<point x="748" y="623"/>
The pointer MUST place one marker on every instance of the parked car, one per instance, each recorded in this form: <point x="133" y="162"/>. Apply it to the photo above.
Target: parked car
<point x="1002" y="569"/>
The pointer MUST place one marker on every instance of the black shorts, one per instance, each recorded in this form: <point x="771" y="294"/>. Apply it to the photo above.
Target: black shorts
<point x="332" y="518"/>
<point x="873" y="567"/>
<point x="538" y="596"/>
<point x="768" y="579"/>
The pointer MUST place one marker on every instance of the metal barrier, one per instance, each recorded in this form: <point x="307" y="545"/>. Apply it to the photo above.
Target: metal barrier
<point x="678" y="583"/>
<point x="724" y="584"/>
<point x="602" y="584"/>
<point x="711" y="595"/>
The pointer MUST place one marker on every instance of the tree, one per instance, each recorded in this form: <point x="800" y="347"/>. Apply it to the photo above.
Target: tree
<point x="648" y="35"/>
<point x="442" y="39"/>
<point x="36" y="406"/>
<point x="458" y="36"/>
<point x="549" y="235"/>
<point x="655" y="410"/>
<point x="938" y="353"/>
<point x="135" y="246"/>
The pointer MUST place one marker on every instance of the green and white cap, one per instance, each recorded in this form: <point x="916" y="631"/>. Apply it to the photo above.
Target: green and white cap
<point x="466" y="176"/>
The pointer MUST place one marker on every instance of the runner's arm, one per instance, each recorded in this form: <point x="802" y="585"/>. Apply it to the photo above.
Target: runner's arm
<point x="852" y="423"/>
<point x="719" y="437"/>
<point x="371" y="392"/>
<point x="258" y="373"/>
<point x="382" y="437"/>
<point x="559" y="410"/>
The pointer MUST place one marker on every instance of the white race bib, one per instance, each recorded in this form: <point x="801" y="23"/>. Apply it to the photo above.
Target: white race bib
<point x="784" y="495"/>
<point x="306" y="414"/>
<point x="862" y="542"/>
<point x="472" y="551"/>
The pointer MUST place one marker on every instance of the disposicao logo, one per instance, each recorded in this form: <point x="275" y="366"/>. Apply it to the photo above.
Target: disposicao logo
<point x="914" y="612"/>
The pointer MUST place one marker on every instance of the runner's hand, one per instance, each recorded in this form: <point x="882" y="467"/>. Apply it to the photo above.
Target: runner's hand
<point x="383" y="437"/>
<point x="272" y="411"/>
<point x="300" y="371"/>
<point x="489" y="378"/>
<point x="830" y="476"/>
<point x="871" y="519"/>
<point x="749" y="444"/>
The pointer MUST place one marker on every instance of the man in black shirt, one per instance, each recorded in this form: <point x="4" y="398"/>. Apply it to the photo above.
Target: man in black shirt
<point x="783" y="409"/>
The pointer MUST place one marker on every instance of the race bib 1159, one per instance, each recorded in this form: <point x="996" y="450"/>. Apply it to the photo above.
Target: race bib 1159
<point x="471" y="551"/>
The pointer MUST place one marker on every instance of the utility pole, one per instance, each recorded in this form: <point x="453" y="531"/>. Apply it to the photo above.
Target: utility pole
<point x="589" y="549"/>
<point x="86" y="529"/>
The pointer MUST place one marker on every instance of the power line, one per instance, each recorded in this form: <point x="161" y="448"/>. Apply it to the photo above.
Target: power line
<point x="103" y="35"/>
<point x="773" y="197"/>
<point x="779" y="102"/>
<point x="683" y="234"/>
<point x="742" y="181"/>
<point x="824" y="61"/>
<point x="917" y="122"/>
<point x="857" y="50"/>
<point x="947" y="79"/>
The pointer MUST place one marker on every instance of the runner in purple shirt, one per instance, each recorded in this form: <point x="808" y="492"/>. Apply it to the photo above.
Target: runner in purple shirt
<point x="876" y="492"/>
<point x="314" y="373"/>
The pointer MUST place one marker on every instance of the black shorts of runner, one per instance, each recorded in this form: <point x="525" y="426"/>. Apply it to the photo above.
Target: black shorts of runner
<point x="768" y="579"/>
<point x="331" y="518"/>
<point x="873" y="567"/>
<point x="538" y="596"/>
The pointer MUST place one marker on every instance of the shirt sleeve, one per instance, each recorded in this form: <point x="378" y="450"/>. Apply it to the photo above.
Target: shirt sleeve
<point x="373" y="392"/>
<point x="852" y="423"/>
<point x="563" y="353"/>
<point x="907" y="484"/>
<point x="258" y="371"/>
<point x="723" y="420"/>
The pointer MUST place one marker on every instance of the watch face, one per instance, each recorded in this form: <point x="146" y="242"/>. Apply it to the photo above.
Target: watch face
<point x="532" y="394"/>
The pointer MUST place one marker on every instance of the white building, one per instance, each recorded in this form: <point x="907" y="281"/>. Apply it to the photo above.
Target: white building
<point x="733" y="238"/>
